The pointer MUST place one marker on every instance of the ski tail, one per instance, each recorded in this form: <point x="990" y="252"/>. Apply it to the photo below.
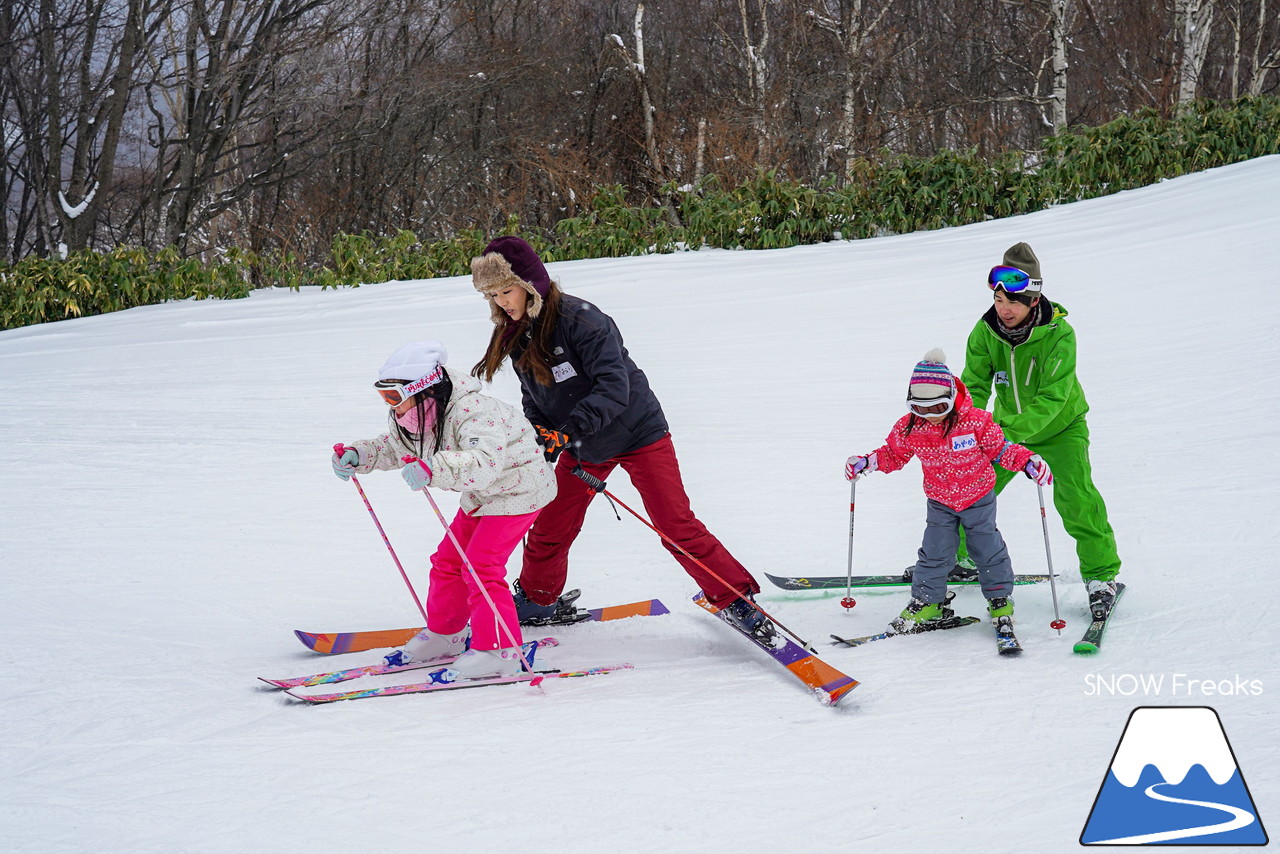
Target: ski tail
<point x="339" y="642"/>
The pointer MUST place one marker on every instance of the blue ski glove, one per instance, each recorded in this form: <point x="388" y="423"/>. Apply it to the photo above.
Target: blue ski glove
<point x="345" y="462"/>
<point x="417" y="474"/>
<point x="1038" y="470"/>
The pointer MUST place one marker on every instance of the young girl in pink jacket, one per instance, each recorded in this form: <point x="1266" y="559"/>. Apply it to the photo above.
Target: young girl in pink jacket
<point x="956" y="444"/>
<point x="459" y="439"/>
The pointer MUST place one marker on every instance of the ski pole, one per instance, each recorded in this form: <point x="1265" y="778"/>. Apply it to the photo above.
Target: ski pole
<point x="1058" y="623"/>
<point x="848" y="600"/>
<point x="339" y="449"/>
<point x="475" y="576"/>
<point x="595" y="484"/>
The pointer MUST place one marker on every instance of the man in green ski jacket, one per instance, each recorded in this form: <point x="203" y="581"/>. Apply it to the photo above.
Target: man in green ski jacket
<point x="1024" y="350"/>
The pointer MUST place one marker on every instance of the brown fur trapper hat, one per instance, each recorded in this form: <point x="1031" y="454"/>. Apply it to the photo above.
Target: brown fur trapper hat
<point x="507" y="262"/>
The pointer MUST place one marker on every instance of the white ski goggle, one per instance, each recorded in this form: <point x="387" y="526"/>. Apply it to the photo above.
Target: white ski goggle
<point x="931" y="407"/>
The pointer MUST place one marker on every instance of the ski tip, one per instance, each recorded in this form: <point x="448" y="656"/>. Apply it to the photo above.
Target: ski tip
<point x="274" y="683"/>
<point x="1085" y="648"/>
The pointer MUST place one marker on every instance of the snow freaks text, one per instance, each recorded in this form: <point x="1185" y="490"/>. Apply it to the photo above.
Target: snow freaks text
<point x="1168" y="685"/>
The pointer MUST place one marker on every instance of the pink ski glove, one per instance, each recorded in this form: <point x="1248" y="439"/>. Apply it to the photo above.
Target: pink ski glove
<point x="416" y="473"/>
<point x="855" y="466"/>
<point x="1038" y="470"/>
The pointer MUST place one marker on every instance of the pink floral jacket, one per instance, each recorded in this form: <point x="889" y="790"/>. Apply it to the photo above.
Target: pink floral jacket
<point x="489" y="455"/>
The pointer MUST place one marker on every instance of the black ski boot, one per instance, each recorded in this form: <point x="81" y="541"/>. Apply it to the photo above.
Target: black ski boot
<point x="561" y="611"/>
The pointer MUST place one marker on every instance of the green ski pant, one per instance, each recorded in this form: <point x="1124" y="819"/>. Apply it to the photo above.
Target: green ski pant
<point x="1077" y="500"/>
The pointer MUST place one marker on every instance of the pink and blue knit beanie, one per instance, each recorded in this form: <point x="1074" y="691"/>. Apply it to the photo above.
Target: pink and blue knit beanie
<point x="931" y="378"/>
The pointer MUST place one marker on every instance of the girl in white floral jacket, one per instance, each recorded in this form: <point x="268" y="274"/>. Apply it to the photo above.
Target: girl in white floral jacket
<point x="444" y="433"/>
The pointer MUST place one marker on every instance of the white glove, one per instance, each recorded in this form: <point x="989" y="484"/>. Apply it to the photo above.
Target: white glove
<point x="1038" y="470"/>
<point x="859" y="465"/>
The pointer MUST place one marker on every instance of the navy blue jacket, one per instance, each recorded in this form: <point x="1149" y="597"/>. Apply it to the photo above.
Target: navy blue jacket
<point x="598" y="397"/>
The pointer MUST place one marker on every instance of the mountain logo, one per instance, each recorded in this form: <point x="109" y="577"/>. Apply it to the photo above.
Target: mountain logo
<point x="1173" y="780"/>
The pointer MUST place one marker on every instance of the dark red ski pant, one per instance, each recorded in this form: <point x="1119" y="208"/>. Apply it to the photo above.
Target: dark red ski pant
<point x="655" y="474"/>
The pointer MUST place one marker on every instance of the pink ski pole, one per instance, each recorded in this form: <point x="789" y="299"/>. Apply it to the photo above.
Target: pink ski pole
<point x="475" y="576"/>
<point x="340" y="449"/>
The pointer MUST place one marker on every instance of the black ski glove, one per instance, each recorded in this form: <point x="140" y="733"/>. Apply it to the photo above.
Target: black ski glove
<point x="552" y="442"/>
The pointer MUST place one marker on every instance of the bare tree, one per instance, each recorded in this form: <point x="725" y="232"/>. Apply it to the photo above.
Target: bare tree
<point x="1193" y="28"/>
<point x="70" y="71"/>
<point x="852" y="25"/>
<point x="225" y="110"/>
<point x="636" y="66"/>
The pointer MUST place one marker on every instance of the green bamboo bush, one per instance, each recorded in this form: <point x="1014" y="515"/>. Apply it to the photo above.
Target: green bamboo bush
<point x="890" y="194"/>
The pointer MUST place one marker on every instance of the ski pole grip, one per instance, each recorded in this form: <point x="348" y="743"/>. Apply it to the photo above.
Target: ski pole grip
<point x="594" y="483"/>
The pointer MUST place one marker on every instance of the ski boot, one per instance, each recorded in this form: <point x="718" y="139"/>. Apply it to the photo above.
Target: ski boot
<point x="481" y="664"/>
<point x="744" y="614"/>
<point x="921" y="616"/>
<point x="1102" y="595"/>
<point x="561" y="611"/>
<point x="964" y="570"/>
<point x="427" y="645"/>
<point x="1000" y="610"/>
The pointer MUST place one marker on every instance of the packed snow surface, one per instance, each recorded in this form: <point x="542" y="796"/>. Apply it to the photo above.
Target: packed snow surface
<point x="168" y="516"/>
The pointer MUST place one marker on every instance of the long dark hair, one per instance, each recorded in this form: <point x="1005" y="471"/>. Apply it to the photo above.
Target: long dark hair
<point x="437" y="396"/>
<point x="536" y="332"/>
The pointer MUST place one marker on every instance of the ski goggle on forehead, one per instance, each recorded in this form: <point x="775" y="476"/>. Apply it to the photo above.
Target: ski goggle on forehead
<point x="934" y="406"/>
<point x="396" y="392"/>
<point x="1013" y="281"/>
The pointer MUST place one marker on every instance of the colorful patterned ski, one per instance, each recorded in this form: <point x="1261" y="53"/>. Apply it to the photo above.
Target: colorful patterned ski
<point x="334" y="643"/>
<point x="953" y="623"/>
<point x="834" y="582"/>
<point x="828" y="684"/>
<point x="1092" y="639"/>
<point x="431" y="687"/>
<point x="375" y="670"/>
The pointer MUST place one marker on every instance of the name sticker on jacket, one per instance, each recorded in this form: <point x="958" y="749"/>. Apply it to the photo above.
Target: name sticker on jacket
<point x="967" y="442"/>
<point x="563" y="371"/>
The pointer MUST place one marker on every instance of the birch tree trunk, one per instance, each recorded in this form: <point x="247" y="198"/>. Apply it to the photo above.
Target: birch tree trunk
<point x="1060" y="64"/>
<point x="1194" y="21"/>
<point x="755" y="50"/>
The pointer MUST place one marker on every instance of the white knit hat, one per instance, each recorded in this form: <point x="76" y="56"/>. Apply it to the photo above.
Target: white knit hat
<point x="417" y="363"/>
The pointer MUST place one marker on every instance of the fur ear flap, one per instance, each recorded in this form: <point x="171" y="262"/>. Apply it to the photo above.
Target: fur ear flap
<point x="491" y="273"/>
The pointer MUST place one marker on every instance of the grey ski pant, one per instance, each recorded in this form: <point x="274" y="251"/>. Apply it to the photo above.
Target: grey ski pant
<point x="937" y="553"/>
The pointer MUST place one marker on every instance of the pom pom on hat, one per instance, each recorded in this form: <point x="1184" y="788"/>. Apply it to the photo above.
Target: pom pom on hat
<point x="931" y="378"/>
<point x="510" y="262"/>
<point x="417" y="360"/>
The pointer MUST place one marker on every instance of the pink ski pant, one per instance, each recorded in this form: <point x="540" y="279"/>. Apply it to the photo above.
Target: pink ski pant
<point x="454" y="599"/>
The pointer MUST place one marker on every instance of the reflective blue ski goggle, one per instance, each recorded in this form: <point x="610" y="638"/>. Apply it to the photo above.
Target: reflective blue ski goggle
<point x="1013" y="281"/>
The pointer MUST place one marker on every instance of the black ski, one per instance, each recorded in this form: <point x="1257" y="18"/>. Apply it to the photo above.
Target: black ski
<point x="1006" y="640"/>
<point x="835" y="582"/>
<point x="933" y="626"/>
<point x="1092" y="639"/>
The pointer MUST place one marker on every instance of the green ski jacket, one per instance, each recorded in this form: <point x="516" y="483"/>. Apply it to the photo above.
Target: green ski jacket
<point x="1037" y="393"/>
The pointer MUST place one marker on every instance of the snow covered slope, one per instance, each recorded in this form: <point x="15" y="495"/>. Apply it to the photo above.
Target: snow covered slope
<point x="168" y="516"/>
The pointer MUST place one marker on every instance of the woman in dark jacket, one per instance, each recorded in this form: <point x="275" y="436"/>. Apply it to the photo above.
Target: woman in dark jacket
<point x="591" y="406"/>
